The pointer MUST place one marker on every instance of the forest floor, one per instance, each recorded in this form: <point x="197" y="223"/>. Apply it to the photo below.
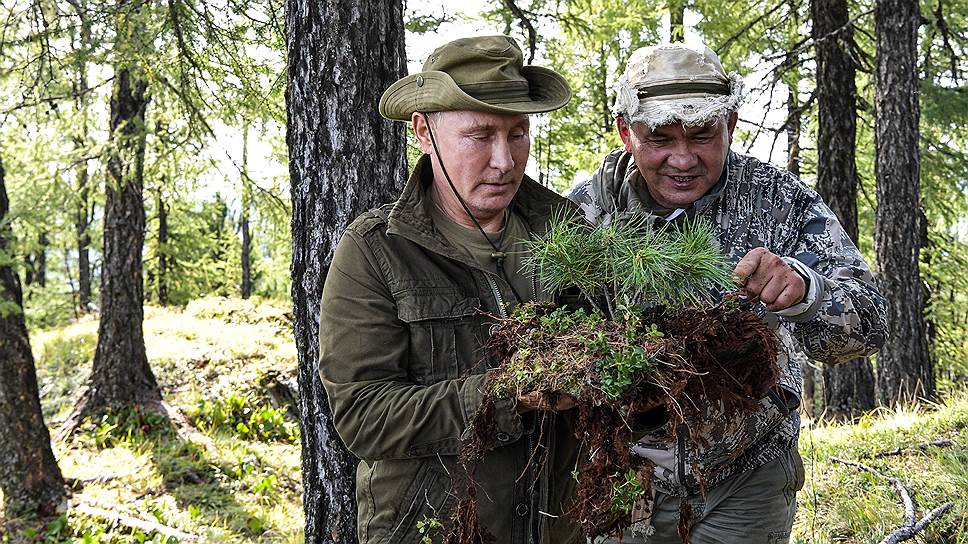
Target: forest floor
<point x="230" y="470"/>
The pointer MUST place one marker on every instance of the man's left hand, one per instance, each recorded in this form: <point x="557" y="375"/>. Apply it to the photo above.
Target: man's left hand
<point x="766" y="278"/>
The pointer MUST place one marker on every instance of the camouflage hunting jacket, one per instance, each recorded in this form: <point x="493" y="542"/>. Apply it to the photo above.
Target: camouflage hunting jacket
<point x="843" y="316"/>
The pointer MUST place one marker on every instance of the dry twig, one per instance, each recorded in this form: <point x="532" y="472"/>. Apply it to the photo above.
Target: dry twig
<point x="911" y="527"/>
<point x="135" y="523"/>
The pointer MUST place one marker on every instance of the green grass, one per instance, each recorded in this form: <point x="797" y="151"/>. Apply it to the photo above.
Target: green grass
<point x="841" y="503"/>
<point x="235" y="477"/>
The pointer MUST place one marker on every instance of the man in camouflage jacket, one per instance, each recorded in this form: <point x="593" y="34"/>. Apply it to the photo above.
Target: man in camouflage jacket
<point x="676" y="110"/>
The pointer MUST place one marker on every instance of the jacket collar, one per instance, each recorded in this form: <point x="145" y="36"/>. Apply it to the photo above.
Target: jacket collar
<point x="616" y="192"/>
<point x="410" y="215"/>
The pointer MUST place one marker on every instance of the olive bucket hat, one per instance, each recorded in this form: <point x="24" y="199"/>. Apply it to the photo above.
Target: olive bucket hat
<point x="483" y="73"/>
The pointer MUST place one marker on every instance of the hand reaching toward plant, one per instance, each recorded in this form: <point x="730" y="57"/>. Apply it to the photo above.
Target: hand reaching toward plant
<point x="765" y="277"/>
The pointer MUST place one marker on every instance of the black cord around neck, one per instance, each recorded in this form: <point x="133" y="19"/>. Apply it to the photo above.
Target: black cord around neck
<point x="498" y="255"/>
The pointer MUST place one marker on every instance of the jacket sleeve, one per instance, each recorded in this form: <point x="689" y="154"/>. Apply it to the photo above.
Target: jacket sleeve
<point x="847" y="316"/>
<point x="378" y="410"/>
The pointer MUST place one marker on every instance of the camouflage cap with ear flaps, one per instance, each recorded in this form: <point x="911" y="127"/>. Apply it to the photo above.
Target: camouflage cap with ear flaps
<point x="483" y="73"/>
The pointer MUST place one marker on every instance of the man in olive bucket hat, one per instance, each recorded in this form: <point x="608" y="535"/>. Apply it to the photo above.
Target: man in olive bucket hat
<point x="675" y="111"/>
<point x="410" y="300"/>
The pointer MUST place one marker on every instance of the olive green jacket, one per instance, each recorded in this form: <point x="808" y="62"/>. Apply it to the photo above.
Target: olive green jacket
<point x="403" y="324"/>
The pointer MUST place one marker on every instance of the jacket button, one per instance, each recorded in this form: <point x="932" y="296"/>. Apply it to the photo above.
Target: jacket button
<point x="521" y="510"/>
<point x="420" y="81"/>
<point x="503" y="437"/>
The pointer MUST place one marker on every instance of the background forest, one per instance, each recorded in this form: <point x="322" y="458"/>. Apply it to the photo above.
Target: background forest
<point x="175" y="174"/>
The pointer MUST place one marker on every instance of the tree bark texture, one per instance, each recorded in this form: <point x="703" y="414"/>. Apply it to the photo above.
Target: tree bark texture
<point x="849" y="387"/>
<point x="121" y="375"/>
<point x="903" y="364"/>
<point x="246" y="202"/>
<point x="344" y="159"/>
<point x="29" y="476"/>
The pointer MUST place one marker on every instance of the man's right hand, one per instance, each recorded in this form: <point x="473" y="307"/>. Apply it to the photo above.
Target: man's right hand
<point x="537" y="401"/>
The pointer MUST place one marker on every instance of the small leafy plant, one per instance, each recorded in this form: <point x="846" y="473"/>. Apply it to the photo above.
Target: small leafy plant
<point x="246" y="417"/>
<point x="628" y="489"/>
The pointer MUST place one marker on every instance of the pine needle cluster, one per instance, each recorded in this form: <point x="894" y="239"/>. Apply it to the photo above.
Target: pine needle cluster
<point x="632" y="262"/>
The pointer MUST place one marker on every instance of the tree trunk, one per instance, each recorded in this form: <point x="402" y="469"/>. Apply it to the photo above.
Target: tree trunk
<point x="40" y="263"/>
<point x="904" y="363"/>
<point x="246" y="197"/>
<point x="121" y="375"/>
<point x="849" y="387"/>
<point x="162" y="251"/>
<point x="793" y="127"/>
<point x="82" y="222"/>
<point x="82" y="212"/>
<point x="793" y="130"/>
<point x="29" y="476"/>
<point x="344" y="159"/>
<point x="36" y="269"/>
<point x="677" y="15"/>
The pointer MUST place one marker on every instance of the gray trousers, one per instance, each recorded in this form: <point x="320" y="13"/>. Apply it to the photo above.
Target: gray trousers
<point x="754" y="507"/>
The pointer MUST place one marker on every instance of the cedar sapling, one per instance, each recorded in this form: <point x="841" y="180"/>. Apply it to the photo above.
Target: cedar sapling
<point x="656" y="331"/>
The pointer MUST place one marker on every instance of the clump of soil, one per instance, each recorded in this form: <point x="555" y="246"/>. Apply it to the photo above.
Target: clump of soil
<point x="615" y="370"/>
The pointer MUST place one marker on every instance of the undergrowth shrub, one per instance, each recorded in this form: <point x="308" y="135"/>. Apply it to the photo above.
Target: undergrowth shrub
<point x="252" y="311"/>
<point x="247" y="417"/>
<point x="63" y="363"/>
<point x="127" y="425"/>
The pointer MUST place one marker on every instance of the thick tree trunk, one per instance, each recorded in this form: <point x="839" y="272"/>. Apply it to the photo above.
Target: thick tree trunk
<point x="344" y="158"/>
<point x="903" y="364"/>
<point x="162" y="251"/>
<point x="246" y="237"/>
<point x="849" y="387"/>
<point x="121" y="375"/>
<point x="29" y="476"/>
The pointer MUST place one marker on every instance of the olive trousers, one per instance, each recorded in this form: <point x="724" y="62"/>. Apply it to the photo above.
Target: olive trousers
<point x="754" y="507"/>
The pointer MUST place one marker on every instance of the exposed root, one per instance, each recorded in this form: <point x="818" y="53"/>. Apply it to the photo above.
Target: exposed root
<point x="466" y="523"/>
<point x="680" y="360"/>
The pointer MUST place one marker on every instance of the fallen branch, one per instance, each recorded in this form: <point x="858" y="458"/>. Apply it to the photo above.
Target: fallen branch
<point x="910" y="528"/>
<point x="899" y="450"/>
<point x="135" y="523"/>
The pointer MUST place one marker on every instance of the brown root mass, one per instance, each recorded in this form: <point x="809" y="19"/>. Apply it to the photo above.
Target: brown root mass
<point x="719" y="354"/>
<point x="606" y="439"/>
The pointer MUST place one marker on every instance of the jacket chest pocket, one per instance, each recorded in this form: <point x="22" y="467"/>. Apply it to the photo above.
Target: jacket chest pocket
<point x="444" y="333"/>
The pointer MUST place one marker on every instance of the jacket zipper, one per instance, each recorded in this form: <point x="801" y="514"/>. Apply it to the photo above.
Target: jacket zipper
<point x="497" y="295"/>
